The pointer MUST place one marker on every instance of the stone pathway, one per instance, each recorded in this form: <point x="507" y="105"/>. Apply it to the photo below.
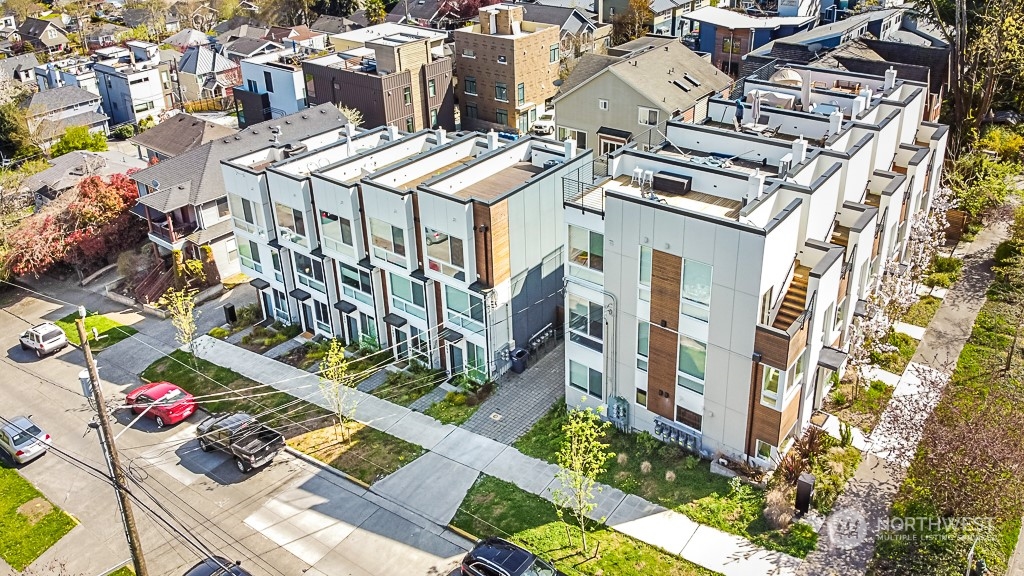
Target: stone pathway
<point x="437" y="482"/>
<point x="429" y="399"/>
<point x="870" y="493"/>
<point x="376" y="380"/>
<point x="521" y="399"/>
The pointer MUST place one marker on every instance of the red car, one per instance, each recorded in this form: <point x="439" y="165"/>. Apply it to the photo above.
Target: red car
<point x="170" y="403"/>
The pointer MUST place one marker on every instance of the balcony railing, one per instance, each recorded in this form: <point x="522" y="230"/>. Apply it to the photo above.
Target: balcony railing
<point x="173" y="231"/>
<point x="781" y="347"/>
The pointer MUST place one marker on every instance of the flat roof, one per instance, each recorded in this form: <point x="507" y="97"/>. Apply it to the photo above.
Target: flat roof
<point x="386" y="29"/>
<point x="734" y="20"/>
<point x="498" y="184"/>
<point x="693" y="201"/>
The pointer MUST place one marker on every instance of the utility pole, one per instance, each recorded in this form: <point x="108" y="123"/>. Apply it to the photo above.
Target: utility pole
<point x="110" y="452"/>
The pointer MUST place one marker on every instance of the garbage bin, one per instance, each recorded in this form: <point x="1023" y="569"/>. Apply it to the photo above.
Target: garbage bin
<point x="804" y="492"/>
<point x="229" y="313"/>
<point x="519" y="357"/>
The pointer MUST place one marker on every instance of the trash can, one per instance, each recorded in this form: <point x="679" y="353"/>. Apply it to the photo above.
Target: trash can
<point x="519" y="357"/>
<point x="804" y="491"/>
<point x="229" y="313"/>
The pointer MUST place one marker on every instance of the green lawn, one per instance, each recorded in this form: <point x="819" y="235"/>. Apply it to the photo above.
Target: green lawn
<point x="110" y="332"/>
<point x="201" y="378"/>
<point x="921" y="313"/>
<point x="896" y="362"/>
<point x="497" y="508"/>
<point x="29" y="523"/>
<point x="859" y="407"/>
<point x="452" y="410"/>
<point x="367" y="454"/>
<point x="123" y="571"/>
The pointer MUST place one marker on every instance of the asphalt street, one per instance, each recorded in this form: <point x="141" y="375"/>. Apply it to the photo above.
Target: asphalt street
<point x="290" y="518"/>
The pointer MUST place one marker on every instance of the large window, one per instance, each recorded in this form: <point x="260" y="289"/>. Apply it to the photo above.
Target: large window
<point x="778" y="385"/>
<point x="476" y="362"/>
<point x="586" y="254"/>
<point x="275" y="259"/>
<point x="471" y="110"/>
<point x="464" y="309"/>
<point x="501" y="116"/>
<point x="445" y="254"/>
<point x="355" y="284"/>
<point x="696" y="290"/>
<point x="643" y="344"/>
<point x="730" y="45"/>
<point x="693" y="356"/>
<point x="689" y="418"/>
<point x="249" y="251"/>
<point x="291" y="225"/>
<point x="469" y="85"/>
<point x="310" y="272"/>
<point x="771" y="381"/>
<point x="407" y="96"/>
<point x="408" y="296"/>
<point x="281" y="307"/>
<point x="268" y="80"/>
<point x="247" y="216"/>
<point x="586" y="379"/>
<point x="586" y="322"/>
<point x="646" y="258"/>
<point x="501" y="92"/>
<point x="388" y="242"/>
<point x="337" y="233"/>
<point x="323" y="316"/>
<point x="432" y="88"/>
<point x="520" y="94"/>
<point x="222" y="207"/>
<point x="648" y="116"/>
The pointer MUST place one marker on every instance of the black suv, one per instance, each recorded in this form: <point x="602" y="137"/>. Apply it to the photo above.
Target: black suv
<point x="497" y="557"/>
<point x="217" y="566"/>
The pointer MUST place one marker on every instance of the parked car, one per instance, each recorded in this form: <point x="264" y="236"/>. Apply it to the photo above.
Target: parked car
<point x="217" y="566"/>
<point x="497" y="557"/>
<point x="44" y="338"/>
<point x="435" y="237"/>
<point x="167" y="403"/>
<point x="251" y="443"/>
<point x="23" y="440"/>
<point x="545" y="123"/>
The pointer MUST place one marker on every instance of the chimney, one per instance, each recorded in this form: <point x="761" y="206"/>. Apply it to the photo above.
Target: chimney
<point x="570" y="149"/>
<point x="799" y="150"/>
<point x="755" y="185"/>
<point x="349" y="130"/>
<point x="835" y="122"/>
<point x="492" y="140"/>
<point x="392" y="133"/>
<point x="599" y="5"/>
<point x="857" y="107"/>
<point x="866" y="94"/>
<point x="441" y="135"/>
<point x="890" y="78"/>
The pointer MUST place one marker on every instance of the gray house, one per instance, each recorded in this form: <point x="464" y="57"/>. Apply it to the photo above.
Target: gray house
<point x="606" y="101"/>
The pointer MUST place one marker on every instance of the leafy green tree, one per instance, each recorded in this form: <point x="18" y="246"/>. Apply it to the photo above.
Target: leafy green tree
<point x="980" y="182"/>
<point x="336" y="7"/>
<point x="375" y="11"/>
<point x="14" y="136"/>
<point x="181" y="305"/>
<point x="338" y="386"/>
<point x="633" y="23"/>
<point x="79" y="138"/>
<point x="582" y="458"/>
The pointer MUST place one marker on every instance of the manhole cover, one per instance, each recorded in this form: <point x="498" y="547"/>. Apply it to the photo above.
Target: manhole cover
<point x="495" y="416"/>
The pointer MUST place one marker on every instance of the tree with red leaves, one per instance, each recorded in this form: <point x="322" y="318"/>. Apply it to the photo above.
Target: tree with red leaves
<point x="81" y="227"/>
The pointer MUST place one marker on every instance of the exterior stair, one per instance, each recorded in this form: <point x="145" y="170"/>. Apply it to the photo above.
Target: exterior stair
<point x="795" y="301"/>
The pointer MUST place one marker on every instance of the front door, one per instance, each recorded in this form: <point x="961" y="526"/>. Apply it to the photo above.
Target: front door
<point x="456" y="355"/>
<point x="307" y="318"/>
<point x="401" y="344"/>
<point x="353" y="328"/>
<point x="268" y="305"/>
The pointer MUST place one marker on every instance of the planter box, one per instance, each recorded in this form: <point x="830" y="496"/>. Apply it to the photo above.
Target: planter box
<point x="210" y="293"/>
<point x="154" y="311"/>
<point x="85" y="281"/>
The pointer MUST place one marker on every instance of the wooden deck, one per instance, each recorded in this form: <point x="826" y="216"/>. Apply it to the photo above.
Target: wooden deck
<point x="693" y="200"/>
<point x="498" y="184"/>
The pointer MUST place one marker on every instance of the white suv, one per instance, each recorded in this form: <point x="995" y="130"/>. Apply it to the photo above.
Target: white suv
<point x="545" y="124"/>
<point x="44" y="339"/>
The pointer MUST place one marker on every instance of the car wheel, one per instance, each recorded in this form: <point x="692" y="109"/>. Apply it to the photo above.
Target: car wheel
<point x="204" y="446"/>
<point x="39" y="353"/>
<point x="23" y="347"/>
<point x="243" y="466"/>
<point x="159" y="422"/>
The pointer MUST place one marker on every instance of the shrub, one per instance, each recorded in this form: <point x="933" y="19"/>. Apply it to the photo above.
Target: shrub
<point x="1006" y="251"/>
<point x="248" y="314"/>
<point x="845" y="435"/>
<point x="690" y="462"/>
<point x="947" y="264"/>
<point x="455" y="399"/>
<point x="646" y="444"/>
<point x="670" y="476"/>
<point x="622" y="459"/>
<point x="802" y="537"/>
<point x="123" y="132"/>
<point x="839" y="398"/>
<point x="938" y="280"/>
<point x="219" y="333"/>
<point x="645" y="467"/>
<point x="778" y="509"/>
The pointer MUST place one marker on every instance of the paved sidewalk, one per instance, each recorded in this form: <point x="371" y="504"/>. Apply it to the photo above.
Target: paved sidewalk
<point x="436" y="483"/>
<point x="1017" y="560"/>
<point x="870" y="493"/>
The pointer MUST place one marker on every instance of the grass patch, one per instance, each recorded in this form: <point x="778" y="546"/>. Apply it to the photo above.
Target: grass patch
<point x="110" y="332"/>
<point x="404" y="388"/>
<point x="943" y="272"/>
<point x="897" y="360"/>
<point x="452" y="410"/>
<point x="122" y="571"/>
<point x="859" y="407"/>
<point x="368" y="455"/>
<point x="493" y="507"/>
<point x="922" y="311"/>
<point x="201" y="377"/>
<point x="29" y="523"/>
<point x="262" y="339"/>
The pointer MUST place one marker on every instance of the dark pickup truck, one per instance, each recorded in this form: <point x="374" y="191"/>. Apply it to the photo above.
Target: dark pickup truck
<point x="252" y="444"/>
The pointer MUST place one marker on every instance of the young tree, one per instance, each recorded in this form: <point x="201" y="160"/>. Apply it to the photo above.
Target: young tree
<point x="14" y="137"/>
<point x="354" y="115"/>
<point x="338" y="387"/>
<point x="181" y="305"/>
<point x="375" y="11"/>
<point x="632" y="23"/>
<point x="582" y="458"/>
<point x="79" y="138"/>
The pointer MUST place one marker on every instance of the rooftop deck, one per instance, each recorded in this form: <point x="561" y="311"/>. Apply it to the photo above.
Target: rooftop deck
<point x="693" y="201"/>
<point x="496" y="185"/>
<point x="719" y="160"/>
<point x="410" y="184"/>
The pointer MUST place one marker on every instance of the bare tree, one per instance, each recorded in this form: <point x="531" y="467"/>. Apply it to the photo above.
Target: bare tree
<point x="581" y="459"/>
<point x="338" y="386"/>
<point x="181" y="304"/>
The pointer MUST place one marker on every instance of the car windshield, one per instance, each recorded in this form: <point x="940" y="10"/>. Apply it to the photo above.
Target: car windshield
<point x="539" y="568"/>
<point x="172" y="395"/>
<point x="51" y="334"/>
<point x="26" y="436"/>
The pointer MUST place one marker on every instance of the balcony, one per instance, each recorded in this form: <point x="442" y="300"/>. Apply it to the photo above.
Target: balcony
<point x="781" y="346"/>
<point x="171" y="231"/>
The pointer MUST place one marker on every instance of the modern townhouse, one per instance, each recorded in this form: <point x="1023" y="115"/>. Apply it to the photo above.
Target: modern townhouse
<point x="273" y="85"/>
<point x="447" y="248"/>
<point x="713" y="281"/>
<point x="729" y="36"/>
<point x="75" y="71"/>
<point x="132" y="83"/>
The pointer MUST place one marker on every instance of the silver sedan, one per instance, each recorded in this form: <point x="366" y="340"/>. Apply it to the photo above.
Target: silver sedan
<point x="23" y="440"/>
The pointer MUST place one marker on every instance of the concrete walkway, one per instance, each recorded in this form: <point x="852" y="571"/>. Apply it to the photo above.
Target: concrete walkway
<point x="847" y="542"/>
<point x="1016" y="567"/>
<point x="435" y="484"/>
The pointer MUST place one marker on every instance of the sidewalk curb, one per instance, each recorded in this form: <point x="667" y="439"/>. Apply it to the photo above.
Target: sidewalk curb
<point x="463" y="533"/>
<point x="320" y="465"/>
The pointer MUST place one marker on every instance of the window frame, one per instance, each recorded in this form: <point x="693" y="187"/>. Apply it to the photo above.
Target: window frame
<point x="521" y="93"/>
<point x="501" y="92"/>
<point x="268" y="79"/>
<point x="344" y="242"/>
<point x="646" y="272"/>
<point x="252" y="259"/>
<point x="501" y="116"/>
<point x="769" y="398"/>
<point x="447" y="266"/>
<point x="409" y="306"/>
<point x="684" y="378"/>
<point x="356" y="283"/>
<point x="554" y="53"/>
<point x="466" y="82"/>
<point x="310" y="279"/>
<point x="584" y="328"/>
<point x="692" y="305"/>
<point x="431" y="88"/>
<point x="471" y="318"/>
<point x="388" y="246"/>
<point x="297" y="217"/>
<point x="588" y="389"/>
<point x="591" y="266"/>
<point x="643" y="345"/>
<point x="643" y="111"/>
<point x="324" y="323"/>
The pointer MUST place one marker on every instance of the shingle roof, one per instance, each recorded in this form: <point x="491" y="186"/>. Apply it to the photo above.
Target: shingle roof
<point x="297" y="33"/>
<point x="58" y="98"/>
<point x="188" y="37"/>
<point x="242" y="31"/>
<point x="199" y="60"/>
<point x="587" y="67"/>
<point x="587" y="5"/>
<point x="199" y="169"/>
<point x="53" y="129"/>
<point x="34" y="28"/>
<point x="106" y="29"/>
<point x="211" y="234"/>
<point x="567" y="18"/>
<point x="425" y="11"/>
<point x="57" y="175"/>
<point x="181" y="133"/>
<point x="333" y="24"/>
<point x="8" y="66"/>
<point x="249" y="46"/>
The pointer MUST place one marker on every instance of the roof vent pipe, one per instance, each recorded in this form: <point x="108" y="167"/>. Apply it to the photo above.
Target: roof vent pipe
<point x="890" y="79"/>
<point x="492" y="140"/>
<point x="441" y="135"/>
<point x="349" y="129"/>
<point x="392" y="133"/>
<point x="835" y="122"/>
<point x="799" y="150"/>
<point x="755" y="185"/>
<point x="570" y="149"/>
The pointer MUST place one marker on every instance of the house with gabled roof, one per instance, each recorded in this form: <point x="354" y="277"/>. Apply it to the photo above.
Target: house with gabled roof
<point x="178" y="135"/>
<point x="242" y="48"/>
<point x="50" y="113"/>
<point x="203" y="73"/>
<point x="45" y="35"/>
<point x="297" y="36"/>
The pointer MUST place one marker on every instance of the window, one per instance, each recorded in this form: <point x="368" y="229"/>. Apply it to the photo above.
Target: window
<point x="693" y="357"/>
<point x="648" y="116"/>
<point x="471" y="111"/>
<point x="51" y="33"/>
<point x="433" y="117"/>
<point x="476" y="362"/>
<point x="291" y="225"/>
<point x="501" y="116"/>
<point x="407" y="96"/>
<point x="766" y="306"/>
<point x="367" y="329"/>
<point x="696" y="290"/>
<point x="388" y="242"/>
<point x="355" y="284"/>
<point x="520" y="93"/>
<point x="445" y="254"/>
<point x="464" y="309"/>
<point x="323" y="316"/>
<point x="275" y="260"/>
<point x="337" y="232"/>
<point x="310" y="272"/>
<point x="796" y="375"/>
<point x="431" y="88"/>
<point x="142" y="107"/>
<point x="469" y="85"/>
<point x="232" y="248"/>
<point x="250" y="253"/>
<point x="467" y="53"/>
<point x="578" y="135"/>
<point x="502" y="60"/>
<point x="222" y="207"/>
<point x="764" y="450"/>
<point x="500" y="92"/>
<point x="826" y="322"/>
<point x="553" y="53"/>
<point x="586" y="254"/>
<point x="689" y="418"/>
<point x="281" y="307"/>
<point x="602" y="104"/>
<point x="643" y="344"/>
<point x="646" y="257"/>
<point x="770" y="382"/>
<point x="586" y="322"/>
<point x="730" y="45"/>
<point x="419" y="348"/>
<point x="251" y="84"/>
<point x="268" y="80"/>
<point x="586" y="379"/>
<point x="408" y="296"/>
<point x="139" y="80"/>
<point x="641" y="397"/>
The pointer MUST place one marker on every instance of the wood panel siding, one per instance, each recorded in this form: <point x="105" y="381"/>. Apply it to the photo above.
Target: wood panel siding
<point x="421" y="255"/>
<point x="777" y="347"/>
<point x="482" y="217"/>
<point x="666" y="283"/>
<point x="661" y="372"/>
<point x="768" y="424"/>
<point x="501" y="255"/>
<point x="441" y="344"/>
